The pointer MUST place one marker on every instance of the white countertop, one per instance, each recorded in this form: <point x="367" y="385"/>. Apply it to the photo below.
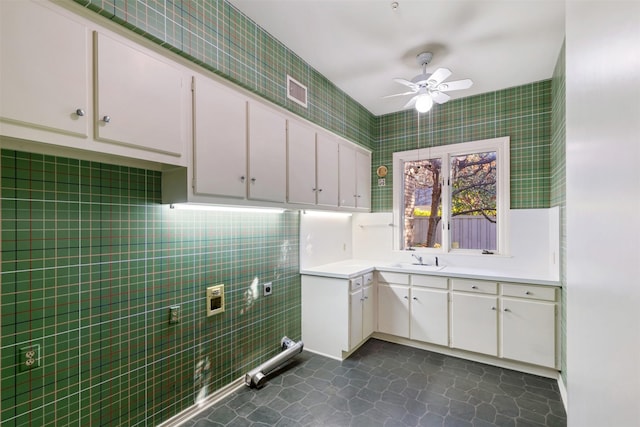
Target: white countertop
<point x="354" y="267"/>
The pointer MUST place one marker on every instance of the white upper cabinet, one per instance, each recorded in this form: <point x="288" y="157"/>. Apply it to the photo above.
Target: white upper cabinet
<point x="327" y="170"/>
<point x="267" y="154"/>
<point x="220" y="140"/>
<point x="312" y="161"/>
<point x="110" y="97"/>
<point x="355" y="178"/>
<point x="44" y="69"/>
<point x="347" y="176"/>
<point x="301" y="163"/>
<point x="363" y="180"/>
<point x="141" y="101"/>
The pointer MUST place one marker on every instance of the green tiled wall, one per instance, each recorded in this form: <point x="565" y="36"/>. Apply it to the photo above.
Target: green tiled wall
<point x="523" y="113"/>
<point x="216" y="35"/>
<point x="91" y="263"/>
<point x="558" y="183"/>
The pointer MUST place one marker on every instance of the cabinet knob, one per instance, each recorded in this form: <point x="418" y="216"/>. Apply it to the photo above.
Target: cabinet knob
<point x="242" y="178"/>
<point x="474" y="287"/>
<point x="415" y="298"/>
<point x="314" y="189"/>
<point x="358" y="196"/>
<point x="320" y="190"/>
<point x="80" y="112"/>
<point x="406" y="297"/>
<point x="253" y="180"/>
<point x="507" y="310"/>
<point x="361" y="299"/>
<point x="106" y="119"/>
<point x="366" y="297"/>
<point x="493" y="308"/>
<point x="528" y="293"/>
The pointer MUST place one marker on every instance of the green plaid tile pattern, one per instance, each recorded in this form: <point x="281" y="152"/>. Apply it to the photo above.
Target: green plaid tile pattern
<point x="91" y="263"/>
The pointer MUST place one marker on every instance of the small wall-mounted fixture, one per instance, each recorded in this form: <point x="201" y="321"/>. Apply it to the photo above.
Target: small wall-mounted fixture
<point x="215" y="300"/>
<point x="296" y="91"/>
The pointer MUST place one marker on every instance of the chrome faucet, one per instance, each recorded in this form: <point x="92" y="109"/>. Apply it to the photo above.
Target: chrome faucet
<point x="419" y="258"/>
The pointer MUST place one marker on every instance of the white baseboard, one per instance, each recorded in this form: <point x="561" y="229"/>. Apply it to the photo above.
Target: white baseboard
<point x="563" y="393"/>
<point x="196" y="408"/>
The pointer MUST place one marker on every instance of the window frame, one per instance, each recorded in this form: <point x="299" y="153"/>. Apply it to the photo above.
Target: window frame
<point x="445" y="152"/>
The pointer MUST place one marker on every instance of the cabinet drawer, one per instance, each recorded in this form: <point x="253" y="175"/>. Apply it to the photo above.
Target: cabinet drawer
<point x="387" y="277"/>
<point x="367" y="279"/>
<point x="546" y="293"/>
<point x="479" y="286"/>
<point x="429" y="281"/>
<point x="355" y="283"/>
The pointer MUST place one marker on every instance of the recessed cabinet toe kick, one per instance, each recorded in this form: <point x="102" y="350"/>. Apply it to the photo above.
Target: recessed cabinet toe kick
<point x="506" y="324"/>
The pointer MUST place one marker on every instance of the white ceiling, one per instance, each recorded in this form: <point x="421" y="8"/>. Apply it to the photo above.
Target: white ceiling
<point x="361" y="45"/>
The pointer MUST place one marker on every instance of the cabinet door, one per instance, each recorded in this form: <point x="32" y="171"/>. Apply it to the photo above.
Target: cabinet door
<point x="474" y="323"/>
<point x="430" y="316"/>
<point x="301" y="163"/>
<point x="529" y="331"/>
<point x="363" y="180"/>
<point x="393" y="310"/>
<point x="368" y="311"/>
<point x="355" y="324"/>
<point x="327" y="170"/>
<point x="220" y="140"/>
<point x="267" y="154"/>
<point x="44" y="69"/>
<point x="141" y="101"/>
<point x="347" y="163"/>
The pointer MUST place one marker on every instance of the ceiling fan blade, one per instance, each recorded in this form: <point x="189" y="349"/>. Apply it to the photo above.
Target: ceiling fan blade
<point x="399" y="94"/>
<point x="411" y="102"/>
<point x="406" y="83"/>
<point x="439" y="97"/>
<point x="438" y="76"/>
<point x="455" y="85"/>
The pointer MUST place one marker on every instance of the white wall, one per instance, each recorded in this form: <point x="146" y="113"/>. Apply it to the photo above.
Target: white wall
<point x="603" y="203"/>
<point x="325" y="237"/>
<point x="534" y="244"/>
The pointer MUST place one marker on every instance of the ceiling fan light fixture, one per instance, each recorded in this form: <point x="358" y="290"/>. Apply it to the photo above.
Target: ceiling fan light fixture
<point x="424" y="103"/>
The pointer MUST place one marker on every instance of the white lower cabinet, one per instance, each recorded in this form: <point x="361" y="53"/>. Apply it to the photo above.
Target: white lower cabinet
<point x="361" y="315"/>
<point x="429" y="315"/>
<point x="337" y="314"/>
<point x="393" y="303"/>
<point x="528" y="332"/>
<point x="393" y="310"/>
<point x="515" y="322"/>
<point x="414" y="307"/>
<point x="474" y="323"/>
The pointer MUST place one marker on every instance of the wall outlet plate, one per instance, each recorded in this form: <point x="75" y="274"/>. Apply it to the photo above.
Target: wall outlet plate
<point x="267" y="288"/>
<point x="174" y="314"/>
<point x="29" y="357"/>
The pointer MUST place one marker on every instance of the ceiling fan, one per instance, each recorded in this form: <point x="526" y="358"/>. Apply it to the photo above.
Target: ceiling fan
<point x="429" y="88"/>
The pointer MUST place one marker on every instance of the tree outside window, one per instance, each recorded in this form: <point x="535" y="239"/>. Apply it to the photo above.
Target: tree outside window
<point x="472" y="180"/>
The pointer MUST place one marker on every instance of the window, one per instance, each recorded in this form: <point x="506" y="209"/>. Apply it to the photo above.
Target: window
<point x="453" y="197"/>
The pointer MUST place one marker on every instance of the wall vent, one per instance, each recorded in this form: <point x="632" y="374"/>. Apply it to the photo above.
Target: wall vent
<point x="296" y="91"/>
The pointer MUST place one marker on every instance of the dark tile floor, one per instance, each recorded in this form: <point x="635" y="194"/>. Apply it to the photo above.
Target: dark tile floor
<point x="385" y="384"/>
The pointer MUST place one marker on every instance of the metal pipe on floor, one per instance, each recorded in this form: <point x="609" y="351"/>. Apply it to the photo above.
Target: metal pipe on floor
<point x="258" y="376"/>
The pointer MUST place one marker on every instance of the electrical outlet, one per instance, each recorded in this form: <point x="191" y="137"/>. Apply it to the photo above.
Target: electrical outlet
<point x="30" y="357"/>
<point x="174" y="314"/>
<point x="267" y="288"/>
